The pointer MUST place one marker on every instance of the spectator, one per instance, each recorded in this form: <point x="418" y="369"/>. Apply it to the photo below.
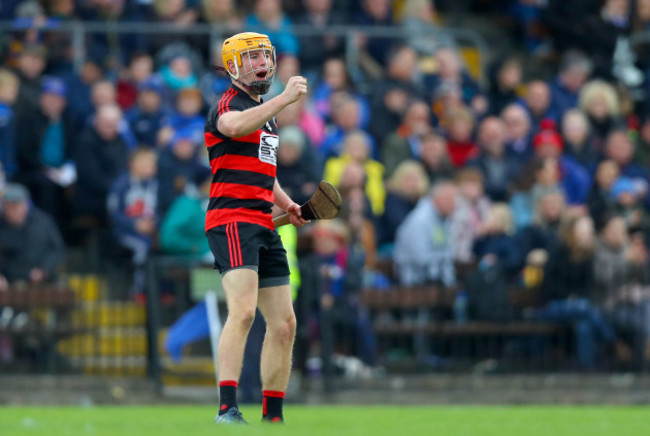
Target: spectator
<point x="505" y="80"/>
<point x="420" y="22"/>
<point x="338" y="266"/>
<point x="627" y="199"/>
<point x="393" y="92"/>
<point x="405" y="187"/>
<point x="565" y="89"/>
<point x="140" y="71"/>
<point x="314" y="49"/>
<point x="146" y="117"/>
<point x="470" y="215"/>
<point x="103" y="92"/>
<point x="435" y="158"/>
<point x="546" y="178"/>
<point x="133" y="210"/>
<point x="428" y="259"/>
<point x="178" y="167"/>
<point x="177" y="74"/>
<point x="642" y="150"/>
<point x="495" y="247"/>
<point x="373" y="54"/>
<point x="537" y="102"/>
<point x="603" y="32"/>
<point x="450" y="71"/>
<point x="621" y="269"/>
<point x="222" y="13"/>
<point x="268" y="18"/>
<point x="31" y="247"/>
<point x="499" y="169"/>
<point x="45" y="152"/>
<point x="576" y="136"/>
<point x="542" y="232"/>
<point x="31" y="64"/>
<point x="356" y="149"/>
<point x="566" y="22"/>
<point x="599" y="101"/>
<point x="567" y="290"/>
<point x="182" y="232"/>
<point x="575" y="179"/>
<point x="9" y="86"/>
<point x="180" y="13"/>
<point x="186" y="116"/>
<point x="335" y="78"/>
<point x="80" y="102"/>
<point x="101" y="156"/>
<point x="600" y="200"/>
<point x="459" y="126"/>
<point x="296" y="166"/>
<point x="313" y="126"/>
<point x="620" y="148"/>
<point x="518" y="132"/>
<point x="404" y="143"/>
<point x="346" y="118"/>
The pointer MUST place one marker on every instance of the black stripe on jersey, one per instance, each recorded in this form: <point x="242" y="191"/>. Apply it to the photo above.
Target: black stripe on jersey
<point x="239" y="148"/>
<point x="236" y="203"/>
<point x="243" y="178"/>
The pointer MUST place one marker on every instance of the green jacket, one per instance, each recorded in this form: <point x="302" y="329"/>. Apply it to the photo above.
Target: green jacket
<point x="183" y="228"/>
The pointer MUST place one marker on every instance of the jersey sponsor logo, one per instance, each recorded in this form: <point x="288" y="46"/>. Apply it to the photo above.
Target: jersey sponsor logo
<point x="268" y="151"/>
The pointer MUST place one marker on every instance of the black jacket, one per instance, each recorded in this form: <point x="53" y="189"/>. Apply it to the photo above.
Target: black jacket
<point x="99" y="163"/>
<point x="36" y="244"/>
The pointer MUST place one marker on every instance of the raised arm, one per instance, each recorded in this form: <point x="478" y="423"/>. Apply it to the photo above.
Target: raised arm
<point x="236" y="124"/>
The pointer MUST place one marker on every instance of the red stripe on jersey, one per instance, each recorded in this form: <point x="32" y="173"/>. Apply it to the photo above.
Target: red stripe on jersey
<point x="238" y="244"/>
<point x="219" y="217"/>
<point x="224" y="100"/>
<point x="224" y="106"/>
<point x="211" y="140"/>
<point x="253" y="138"/>
<point x="245" y="163"/>
<point x="243" y="192"/>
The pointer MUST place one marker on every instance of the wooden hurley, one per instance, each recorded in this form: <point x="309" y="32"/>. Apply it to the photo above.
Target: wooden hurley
<point x="324" y="204"/>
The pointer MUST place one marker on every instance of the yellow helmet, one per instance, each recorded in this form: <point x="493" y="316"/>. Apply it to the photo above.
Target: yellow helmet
<point x="236" y="46"/>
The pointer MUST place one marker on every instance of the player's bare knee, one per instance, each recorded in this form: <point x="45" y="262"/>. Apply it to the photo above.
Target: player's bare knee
<point x="285" y="330"/>
<point x="243" y="318"/>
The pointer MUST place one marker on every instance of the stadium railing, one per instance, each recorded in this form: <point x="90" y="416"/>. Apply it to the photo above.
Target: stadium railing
<point x="473" y="47"/>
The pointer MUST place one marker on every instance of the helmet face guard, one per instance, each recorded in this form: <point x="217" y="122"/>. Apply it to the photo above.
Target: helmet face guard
<point x="254" y="60"/>
<point x="262" y="73"/>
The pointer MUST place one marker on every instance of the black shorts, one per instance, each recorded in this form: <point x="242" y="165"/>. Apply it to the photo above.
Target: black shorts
<point x="245" y="245"/>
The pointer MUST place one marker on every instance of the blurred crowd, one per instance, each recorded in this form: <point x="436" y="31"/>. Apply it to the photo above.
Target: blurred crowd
<point x="533" y="180"/>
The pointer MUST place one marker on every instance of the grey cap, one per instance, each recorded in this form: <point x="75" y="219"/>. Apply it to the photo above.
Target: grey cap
<point x="15" y="193"/>
<point x="292" y="136"/>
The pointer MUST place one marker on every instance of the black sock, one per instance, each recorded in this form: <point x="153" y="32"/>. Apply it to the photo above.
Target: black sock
<point x="228" y="395"/>
<point x="272" y="405"/>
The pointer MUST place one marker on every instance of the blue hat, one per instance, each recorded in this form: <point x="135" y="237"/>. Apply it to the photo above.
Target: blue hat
<point x="624" y="185"/>
<point x="152" y="84"/>
<point x="184" y="134"/>
<point x="54" y="85"/>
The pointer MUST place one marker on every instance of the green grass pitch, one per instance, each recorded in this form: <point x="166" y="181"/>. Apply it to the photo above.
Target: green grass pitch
<point x="329" y="420"/>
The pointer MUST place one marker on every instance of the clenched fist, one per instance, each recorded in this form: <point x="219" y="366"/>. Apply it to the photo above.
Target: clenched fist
<point x="296" y="88"/>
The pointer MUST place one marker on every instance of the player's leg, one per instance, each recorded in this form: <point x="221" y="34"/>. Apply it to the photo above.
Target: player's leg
<point x="238" y="264"/>
<point x="276" y="307"/>
<point x="240" y="288"/>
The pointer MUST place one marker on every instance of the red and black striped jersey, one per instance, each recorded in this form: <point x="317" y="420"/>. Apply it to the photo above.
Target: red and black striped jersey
<point x="243" y="169"/>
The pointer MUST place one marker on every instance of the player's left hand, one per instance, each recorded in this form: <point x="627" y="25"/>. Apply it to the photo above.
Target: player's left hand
<point x="295" y="216"/>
